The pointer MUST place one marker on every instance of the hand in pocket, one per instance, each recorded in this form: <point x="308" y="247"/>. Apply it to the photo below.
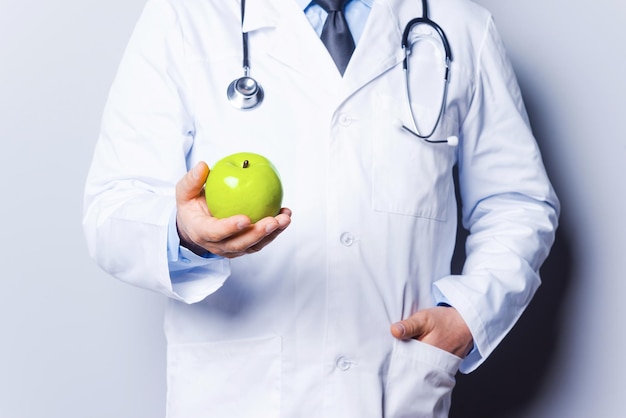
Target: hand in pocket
<point x="440" y="326"/>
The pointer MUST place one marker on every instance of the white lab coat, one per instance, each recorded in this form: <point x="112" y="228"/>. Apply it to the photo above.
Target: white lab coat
<point x="302" y="327"/>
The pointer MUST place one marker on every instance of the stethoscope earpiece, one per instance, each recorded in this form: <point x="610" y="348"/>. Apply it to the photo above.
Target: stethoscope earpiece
<point x="245" y="93"/>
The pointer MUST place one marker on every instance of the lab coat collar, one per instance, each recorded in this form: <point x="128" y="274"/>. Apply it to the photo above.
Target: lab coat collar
<point x="296" y="44"/>
<point x="263" y="14"/>
<point x="303" y="3"/>
<point x="285" y="34"/>
<point x="379" y="48"/>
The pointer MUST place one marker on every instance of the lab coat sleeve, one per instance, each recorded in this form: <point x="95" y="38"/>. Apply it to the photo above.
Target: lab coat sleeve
<point x="509" y="206"/>
<point x="147" y="131"/>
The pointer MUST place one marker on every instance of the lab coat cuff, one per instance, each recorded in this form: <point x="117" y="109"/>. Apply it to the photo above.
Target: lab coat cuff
<point x="444" y="291"/>
<point x="193" y="277"/>
<point x="200" y="278"/>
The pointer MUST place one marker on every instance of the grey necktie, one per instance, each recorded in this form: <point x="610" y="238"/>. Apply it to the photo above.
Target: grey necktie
<point x="336" y="35"/>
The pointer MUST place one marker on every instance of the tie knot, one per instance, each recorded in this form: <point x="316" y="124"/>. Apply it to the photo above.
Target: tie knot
<point x="332" y="5"/>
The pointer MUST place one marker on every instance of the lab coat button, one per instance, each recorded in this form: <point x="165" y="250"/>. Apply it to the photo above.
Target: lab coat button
<point x="346" y="239"/>
<point x="343" y="364"/>
<point x="345" y="119"/>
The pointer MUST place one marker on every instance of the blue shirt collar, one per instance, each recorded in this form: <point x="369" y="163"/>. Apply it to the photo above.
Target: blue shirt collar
<point x="305" y="3"/>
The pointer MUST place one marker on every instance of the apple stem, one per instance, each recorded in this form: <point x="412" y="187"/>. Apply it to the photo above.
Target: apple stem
<point x="246" y="163"/>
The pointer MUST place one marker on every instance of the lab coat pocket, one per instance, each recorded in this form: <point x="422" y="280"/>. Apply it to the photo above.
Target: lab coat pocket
<point x="420" y="381"/>
<point x="225" y="379"/>
<point x="410" y="176"/>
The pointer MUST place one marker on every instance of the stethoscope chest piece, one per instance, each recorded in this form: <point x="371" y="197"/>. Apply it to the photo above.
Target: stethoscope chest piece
<point x="245" y="93"/>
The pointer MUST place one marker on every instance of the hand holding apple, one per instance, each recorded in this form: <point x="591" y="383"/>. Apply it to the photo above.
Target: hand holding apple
<point x="229" y="237"/>
<point x="244" y="183"/>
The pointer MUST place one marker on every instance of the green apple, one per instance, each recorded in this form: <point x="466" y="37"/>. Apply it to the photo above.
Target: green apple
<point x="244" y="183"/>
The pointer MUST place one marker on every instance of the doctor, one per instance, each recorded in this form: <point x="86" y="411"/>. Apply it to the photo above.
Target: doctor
<point x="349" y="309"/>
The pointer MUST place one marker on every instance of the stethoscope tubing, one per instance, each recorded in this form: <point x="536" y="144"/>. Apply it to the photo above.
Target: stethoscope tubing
<point x="425" y="20"/>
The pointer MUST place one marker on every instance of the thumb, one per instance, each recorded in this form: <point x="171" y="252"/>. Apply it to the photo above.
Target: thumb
<point x="413" y="327"/>
<point x="190" y="186"/>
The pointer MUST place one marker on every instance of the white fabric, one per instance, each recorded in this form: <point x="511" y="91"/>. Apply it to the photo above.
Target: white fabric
<point x="302" y="327"/>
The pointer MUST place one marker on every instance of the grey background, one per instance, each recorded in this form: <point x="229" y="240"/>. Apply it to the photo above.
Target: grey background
<point x="76" y="343"/>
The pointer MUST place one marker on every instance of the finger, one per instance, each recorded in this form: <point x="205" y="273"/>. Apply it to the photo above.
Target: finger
<point x="413" y="327"/>
<point x="275" y="225"/>
<point x="190" y="186"/>
<point x="218" y="230"/>
<point x="271" y="237"/>
<point x="252" y="236"/>
<point x="235" y="236"/>
<point x="398" y="330"/>
<point x="283" y="218"/>
<point x="285" y="211"/>
<point x="264" y="242"/>
<point x="246" y="240"/>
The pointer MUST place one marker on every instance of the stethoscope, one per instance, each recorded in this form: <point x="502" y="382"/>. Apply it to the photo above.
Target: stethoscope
<point x="406" y="47"/>
<point x="246" y="93"/>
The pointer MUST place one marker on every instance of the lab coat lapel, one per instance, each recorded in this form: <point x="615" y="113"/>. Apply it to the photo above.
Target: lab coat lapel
<point x="379" y="48"/>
